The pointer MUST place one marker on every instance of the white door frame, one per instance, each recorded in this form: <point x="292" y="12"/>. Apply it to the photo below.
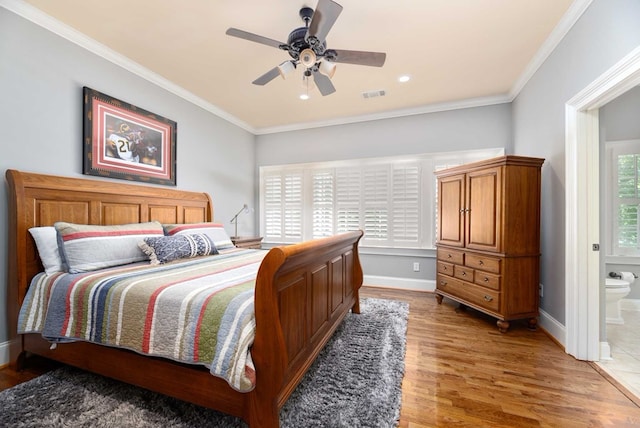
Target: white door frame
<point x="582" y="140"/>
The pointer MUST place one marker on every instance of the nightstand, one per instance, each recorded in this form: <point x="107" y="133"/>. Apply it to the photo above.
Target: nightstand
<point x="247" y="241"/>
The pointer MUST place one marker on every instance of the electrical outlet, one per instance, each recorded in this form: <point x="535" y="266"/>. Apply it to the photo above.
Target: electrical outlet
<point x="416" y="267"/>
<point x="541" y="289"/>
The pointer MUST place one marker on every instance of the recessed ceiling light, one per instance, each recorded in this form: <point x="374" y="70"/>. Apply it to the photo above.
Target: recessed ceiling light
<point x="404" y="78"/>
<point x="304" y="96"/>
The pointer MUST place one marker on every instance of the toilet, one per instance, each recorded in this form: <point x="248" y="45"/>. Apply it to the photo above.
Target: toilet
<point x="616" y="289"/>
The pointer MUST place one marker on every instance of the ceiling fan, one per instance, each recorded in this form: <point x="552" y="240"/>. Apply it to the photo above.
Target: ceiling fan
<point x="307" y="47"/>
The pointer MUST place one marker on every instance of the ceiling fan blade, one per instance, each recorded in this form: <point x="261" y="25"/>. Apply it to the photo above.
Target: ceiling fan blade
<point x="373" y="59"/>
<point x="323" y="83"/>
<point x="267" y="77"/>
<point x="325" y="15"/>
<point x="253" y="37"/>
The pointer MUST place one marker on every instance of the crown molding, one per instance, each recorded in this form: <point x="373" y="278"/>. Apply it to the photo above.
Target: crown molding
<point x="568" y="20"/>
<point x="430" y="108"/>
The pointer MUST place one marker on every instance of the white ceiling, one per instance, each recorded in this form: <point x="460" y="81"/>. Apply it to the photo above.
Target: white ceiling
<point x="457" y="52"/>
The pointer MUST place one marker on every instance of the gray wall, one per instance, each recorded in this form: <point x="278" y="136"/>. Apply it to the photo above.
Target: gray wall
<point x="605" y="33"/>
<point x="41" y="80"/>
<point x="472" y="128"/>
<point x="618" y="121"/>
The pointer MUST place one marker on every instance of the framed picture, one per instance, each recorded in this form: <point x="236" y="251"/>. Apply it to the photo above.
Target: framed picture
<point x="127" y="142"/>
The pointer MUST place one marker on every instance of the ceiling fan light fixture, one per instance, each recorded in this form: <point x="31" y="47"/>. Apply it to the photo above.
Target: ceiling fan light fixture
<point x="308" y="58"/>
<point x="327" y="68"/>
<point x="286" y="68"/>
<point x="308" y="46"/>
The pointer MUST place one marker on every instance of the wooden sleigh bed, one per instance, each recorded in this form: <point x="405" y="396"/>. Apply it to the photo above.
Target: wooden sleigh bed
<point x="302" y="294"/>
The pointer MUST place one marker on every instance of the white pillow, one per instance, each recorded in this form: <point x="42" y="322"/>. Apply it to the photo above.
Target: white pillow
<point x="47" y="243"/>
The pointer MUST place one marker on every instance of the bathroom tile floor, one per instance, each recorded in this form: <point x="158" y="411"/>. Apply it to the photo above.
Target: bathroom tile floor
<point x="624" y="341"/>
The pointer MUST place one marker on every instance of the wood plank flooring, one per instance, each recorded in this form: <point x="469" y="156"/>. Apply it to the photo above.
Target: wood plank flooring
<point x="460" y="371"/>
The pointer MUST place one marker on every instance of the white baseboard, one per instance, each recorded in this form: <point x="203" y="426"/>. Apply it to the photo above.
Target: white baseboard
<point x="399" y="283"/>
<point x="553" y="327"/>
<point x="605" y="351"/>
<point x="4" y="353"/>
<point x="630" y="304"/>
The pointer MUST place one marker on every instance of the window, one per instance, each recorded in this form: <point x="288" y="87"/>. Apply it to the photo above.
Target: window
<point x="391" y="199"/>
<point x="623" y="197"/>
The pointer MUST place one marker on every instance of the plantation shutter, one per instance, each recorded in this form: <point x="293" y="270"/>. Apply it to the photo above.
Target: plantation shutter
<point x="282" y="195"/>
<point x="293" y="206"/>
<point x="376" y="203"/>
<point x="272" y="194"/>
<point x="347" y="199"/>
<point x="405" y="203"/>
<point x="323" y="202"/>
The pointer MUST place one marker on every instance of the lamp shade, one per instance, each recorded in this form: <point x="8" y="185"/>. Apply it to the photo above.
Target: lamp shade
<point x="286" y="68"/>
<point x="327" y="68"/>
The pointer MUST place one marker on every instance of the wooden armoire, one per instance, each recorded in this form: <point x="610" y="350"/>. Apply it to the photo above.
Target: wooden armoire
<point x="488" y="240"/>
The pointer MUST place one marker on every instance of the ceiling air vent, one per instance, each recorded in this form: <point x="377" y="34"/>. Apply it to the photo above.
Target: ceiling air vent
<point x="373" y="94"/>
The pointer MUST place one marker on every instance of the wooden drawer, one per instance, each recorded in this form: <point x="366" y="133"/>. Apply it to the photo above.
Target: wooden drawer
<point x="463" y="273"/>
<point x="487" y="280"/>
<point x="474" y="294"/>
<point x="451" y="256"/>
<point x="478" y="261"/>
<point x="445" y="268"/>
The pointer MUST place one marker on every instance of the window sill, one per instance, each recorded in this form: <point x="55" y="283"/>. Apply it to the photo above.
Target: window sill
<point x="623" y="260"/>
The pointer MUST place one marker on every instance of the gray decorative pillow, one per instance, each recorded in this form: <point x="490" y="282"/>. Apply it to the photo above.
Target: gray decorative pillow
<point x="163" y="249"/>
<point x="88" y="247"/>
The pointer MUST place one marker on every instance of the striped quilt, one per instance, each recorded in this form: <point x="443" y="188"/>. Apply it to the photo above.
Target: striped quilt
<point x="196" y="311"/>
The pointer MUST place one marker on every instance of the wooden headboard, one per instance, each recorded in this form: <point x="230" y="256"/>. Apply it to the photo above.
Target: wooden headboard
<point x="41" y="200"/>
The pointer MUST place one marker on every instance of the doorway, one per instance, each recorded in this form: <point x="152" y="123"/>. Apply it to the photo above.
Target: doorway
<point x="582" y="259"/>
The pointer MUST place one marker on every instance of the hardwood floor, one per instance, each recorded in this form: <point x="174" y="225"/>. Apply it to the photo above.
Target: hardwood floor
<point x="460" y="371"/>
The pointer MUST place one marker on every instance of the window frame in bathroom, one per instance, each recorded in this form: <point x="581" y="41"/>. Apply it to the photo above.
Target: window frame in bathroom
<point x="613" y="149"/>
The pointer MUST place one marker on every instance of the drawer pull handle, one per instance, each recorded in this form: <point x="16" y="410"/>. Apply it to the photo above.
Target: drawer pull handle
<point x="486" y="279"/>
<point x="443" y="283"/>
<point x="444" y="268"/>
<point x="449" y="256"/>
<point x="480" y="262"/>
<point x="464" y="274"/>
<point x="488" y="298"/>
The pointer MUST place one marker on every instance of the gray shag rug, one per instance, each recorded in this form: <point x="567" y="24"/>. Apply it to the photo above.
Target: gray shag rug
<point x="355" y="382"/>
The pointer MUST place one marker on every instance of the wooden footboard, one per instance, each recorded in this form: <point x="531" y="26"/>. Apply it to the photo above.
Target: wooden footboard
<point x="303" y="292"/>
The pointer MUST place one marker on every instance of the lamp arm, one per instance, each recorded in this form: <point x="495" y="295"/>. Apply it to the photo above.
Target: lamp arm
<point x="235" y="217"/>
<point x="234" y="220"/>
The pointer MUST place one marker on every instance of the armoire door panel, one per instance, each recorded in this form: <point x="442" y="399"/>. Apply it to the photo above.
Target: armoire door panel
<point x="483" y="209"/>
<point x="451" y="210"/>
